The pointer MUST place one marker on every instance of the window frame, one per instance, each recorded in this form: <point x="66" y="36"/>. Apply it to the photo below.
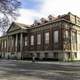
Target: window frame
<point x="47" y="37"/>
<point x="32" y="40"/>
<point x="26" y="40"/>
<point x="38" y="39"/>
<point x="56" y="40"/>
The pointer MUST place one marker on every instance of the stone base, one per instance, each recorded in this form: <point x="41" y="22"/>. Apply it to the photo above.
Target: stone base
<point x="42" y="55"/>
<point x="11" y="55"/>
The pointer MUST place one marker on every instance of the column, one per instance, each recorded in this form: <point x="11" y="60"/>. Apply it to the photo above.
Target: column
<point x="7" y="43"/>
<point x="11" y="44"/>
<point x="21" y="46"/>
<point x="21" y="42"/>
<point x="16" y="43"/>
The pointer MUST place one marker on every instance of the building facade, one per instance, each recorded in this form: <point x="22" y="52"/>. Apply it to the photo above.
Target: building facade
<point x="52" y="39"/>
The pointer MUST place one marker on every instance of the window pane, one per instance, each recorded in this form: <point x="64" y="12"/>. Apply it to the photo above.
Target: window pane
<point x="32" y="40"/>
<point x="66" y="34"/>
<point x="47" y="38"/>
<point x="55" y="36"/>
<point x="39" y="39"/>
<point x="73" y="37"/>
<point x="26" y="41"/>
<point x="78" y="41"/>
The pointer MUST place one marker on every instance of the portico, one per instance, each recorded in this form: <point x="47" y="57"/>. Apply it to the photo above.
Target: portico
<point x="15" y="42"/>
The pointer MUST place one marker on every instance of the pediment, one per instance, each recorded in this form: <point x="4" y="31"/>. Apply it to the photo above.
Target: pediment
<point x="13" y="27"/>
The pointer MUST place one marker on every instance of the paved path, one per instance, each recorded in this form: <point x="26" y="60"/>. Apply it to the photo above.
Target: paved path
<point x="26" y="70"/>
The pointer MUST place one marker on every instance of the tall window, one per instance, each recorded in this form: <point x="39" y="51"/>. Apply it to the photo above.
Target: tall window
<point x="32" y="40"/>
<point x="73" y="37"/>
<point x="56" y="36"/>
<point x="66" y="34"/>
<point x="78" y="40"/>
<point x="26" y="41"/>
<point x="39" y="39"/>
<point x="47" y="38"/>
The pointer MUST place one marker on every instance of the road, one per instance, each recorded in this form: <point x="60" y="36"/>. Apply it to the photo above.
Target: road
<point x="26" y="70"/>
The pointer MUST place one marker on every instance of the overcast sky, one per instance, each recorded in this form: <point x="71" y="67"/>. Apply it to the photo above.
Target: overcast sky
<point x="35" y="9"/>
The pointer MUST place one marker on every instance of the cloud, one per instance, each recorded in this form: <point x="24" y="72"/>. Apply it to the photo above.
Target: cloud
<point x="57" y="7"/>
<point x="54" y="7"/>
<point x="27" y="16"/>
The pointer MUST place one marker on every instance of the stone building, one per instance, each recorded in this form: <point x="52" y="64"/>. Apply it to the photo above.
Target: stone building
<point x="47" y="39"/>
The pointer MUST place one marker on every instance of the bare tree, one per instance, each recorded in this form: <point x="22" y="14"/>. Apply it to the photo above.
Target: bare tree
<point x="8" y="9"/>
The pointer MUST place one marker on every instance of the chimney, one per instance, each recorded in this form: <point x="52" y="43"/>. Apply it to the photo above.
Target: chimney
<point x="50" y="18"/>
<point x="36" y="22"/>
<point x="43" y="20"/>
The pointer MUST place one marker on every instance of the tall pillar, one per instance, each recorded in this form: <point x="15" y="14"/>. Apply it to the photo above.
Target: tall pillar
<point x="7" y="43"/>
<point x="16" y="44"/>
<point x="8" y="47"/>
<point x="21" y="42"/>
<point x="11" y="44"/>
<point x="21" y="45"/>
<point x="12" y="40"/>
